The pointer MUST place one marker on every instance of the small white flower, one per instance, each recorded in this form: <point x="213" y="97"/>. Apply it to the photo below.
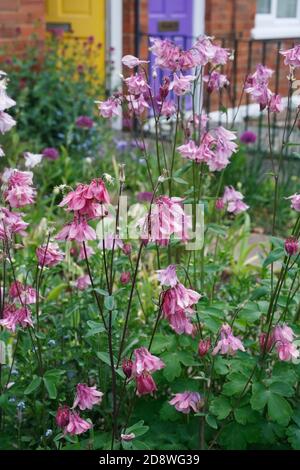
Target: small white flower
<point x="32" y="159"/>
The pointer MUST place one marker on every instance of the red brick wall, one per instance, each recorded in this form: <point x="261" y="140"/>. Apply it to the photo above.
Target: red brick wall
<point x="128" y="26"/>
<point x="19" y="19"/>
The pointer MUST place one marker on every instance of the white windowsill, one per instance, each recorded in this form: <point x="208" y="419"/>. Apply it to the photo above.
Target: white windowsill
<point x="276" y="32"/>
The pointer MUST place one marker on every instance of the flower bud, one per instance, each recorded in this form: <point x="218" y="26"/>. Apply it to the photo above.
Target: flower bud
<point x="203" y="347"/>
<point x="62" y="416"/>
<point x="127" y="249"/>
<point x="127" y="366"/>
<point x="125" y="277"/>
<point x="291" y="246"/>
<point x="219" y="204"/>
<point x="262" y="340"/>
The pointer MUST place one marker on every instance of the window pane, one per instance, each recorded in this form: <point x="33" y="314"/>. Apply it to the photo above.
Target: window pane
<point x="263" y="6"/>
<point x="287" y="9"/>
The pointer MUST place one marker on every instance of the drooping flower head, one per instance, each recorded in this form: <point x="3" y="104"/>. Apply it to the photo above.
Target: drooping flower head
<point x="234" y="200"/>
<point x="292" y="56"/>
<point x="86" y="397"/>
<point x="186" y="402"/>
<point x="49" y="255"/>
<point x="144" y="361"/>
<point x="228" y="343"/>
<point x="295" y="202"/>
<point x="168" y="276"/>
<point x="76" y="424"/>
<point x="13" y="316"/>
<point x="25" y="295"/>
<point x="283" y="338"/>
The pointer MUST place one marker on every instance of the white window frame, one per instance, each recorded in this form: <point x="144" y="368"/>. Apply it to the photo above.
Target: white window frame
<point x="269" y="26"/>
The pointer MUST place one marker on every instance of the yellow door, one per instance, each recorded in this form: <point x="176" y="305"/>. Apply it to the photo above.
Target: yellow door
<point x="84" y="18"/>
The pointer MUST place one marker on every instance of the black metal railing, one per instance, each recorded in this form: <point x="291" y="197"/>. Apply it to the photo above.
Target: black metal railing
<point x="247" y="54"/>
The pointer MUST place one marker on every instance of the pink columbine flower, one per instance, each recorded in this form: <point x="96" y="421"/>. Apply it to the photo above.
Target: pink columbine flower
<point x="18" y="190"/>
<point x="144" y="361"/>
<point x="182" y="84"/>
<point x="228" y="343"/>
<point x="257" y="86"/>
<point x="125" y="277"/>
<point x="80" y="199"/>
<point x="145" y="384"/>
<point x="283" y="338"/>
<point x="25" y="295"/>
<point x="83" y="282"/>
<point x="198" y="154"/>
<point x="131" y="61"/>
<point x="109" y="108"/>
<point x="224" y="148"/>
<point x="89" y="251"/>
<point x="137" y="105"/>
<point x="76" y="424"/>
<point x="6" y="122"/>
<point x="295" y="202"/>
<point x="203" y="347"/>
<point x="168" y="276"/>
<point x="292" y="56"/>
<point x="262" y="341"/>
<point x="234" y="200"/>
<point x="291" y="246"/>
<point x="168" y="109"/>
<point x="77" y="230"/>
<point x="276" y="104"/>
<point x="137" y="84"/>
<point x="215" y="81"/>
<point x="13" y="316"/>
<point x="11" y="223"/>
<point x="62" y="416"/>
<point x="86" y="397"/>
<point x="186" y="402"/>
<point x="177" y="306"/>
<point x="166" y="218"/>
<point x="49" y="255"/>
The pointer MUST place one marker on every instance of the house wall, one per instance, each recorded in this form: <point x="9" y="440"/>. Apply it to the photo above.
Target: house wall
<point x="18" y="20"/>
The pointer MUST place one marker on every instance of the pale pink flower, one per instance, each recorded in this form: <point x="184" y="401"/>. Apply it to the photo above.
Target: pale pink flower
<point x="203" y="50"/>
<point x="18" y="189"/>
<point x="234" y="200"/>
<point x="145" y="384"/>
<point x="166" y="54"/>
<point x="180" y="322"/>
<point x="198" y="154"/>
<point x="283" y="333"/>
<point x="49" y="255"/>
<point x="228" y="343"/>
<point x="283" y="337"/>
<point x="292" y="56"/>
<point x="215" y="81"/>
<point x="86" y="397"/>
<point x="88" y="250"/>
<point x="112" y="241"/>
<point x="224" y="148"/>
<point x="220" y="55"/>
<point x="5" y="101"/>
<point x="22" y="294"/>
<point x="276" y="104"/>
<point x="6" y="122"/>
<point x="131" y="61"/>
<point x="295" y="202"/>
<point x="166" y="218"/>
<point x="83" y="198"/>
<point x="83" y="282"/>
<point x="287" y="351"/>
<point x="13" y="316"/>
<point x="168" y="277"/>
<point x="11" y="223"/>
<point x="182" y="84"/>
<point x="257" y="86"/>
<point x="137" y="105"/>
<point x="77" y="230"/>
<point x="109" y="108"/>
<point x="168" y="109"/>
<point x="144" y="361"/>
<point x="186" y="402"/>
<point x="137" y="84"/>
<point x="32" y="159"/>
<point x="76" y="424"/>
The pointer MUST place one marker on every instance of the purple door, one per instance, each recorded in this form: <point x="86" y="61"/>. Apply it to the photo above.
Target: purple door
<point x="171" y="19"/>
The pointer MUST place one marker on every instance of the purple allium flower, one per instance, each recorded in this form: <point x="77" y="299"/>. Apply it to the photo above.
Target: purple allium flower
<point x="85" y="122"/>
<point x="248" y="137"/>
<point x="121" y="145"/>
<point x="51" y="153"/>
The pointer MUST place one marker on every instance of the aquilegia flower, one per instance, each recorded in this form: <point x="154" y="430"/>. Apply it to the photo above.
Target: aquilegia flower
<point x="166" y="218"/>
<point x="32" y="159"/>
<point x="25" y="295"/>
<point x="186" y="402"/>
<point x="83" y="282"/>
<point x="11" y="223"/>
<point x="6" y="122"/>
<point x="86" y="397"/>
<point x="131" y="61"/>
<point x="76" y="424"/>
<point x="49" y="255"/>
<point x="215" y="81"/>
<point x="228" y="343"/>
<point x="13" y="316"/>
<point x="292" y="56"/>
<point x="144" y="365"/>
<point x="168" y="276"/>
<point x="234" y="200"/>
<point x="283" y="338"/>
<point x="295" y="202"/>
<point x="18" y="189"/>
